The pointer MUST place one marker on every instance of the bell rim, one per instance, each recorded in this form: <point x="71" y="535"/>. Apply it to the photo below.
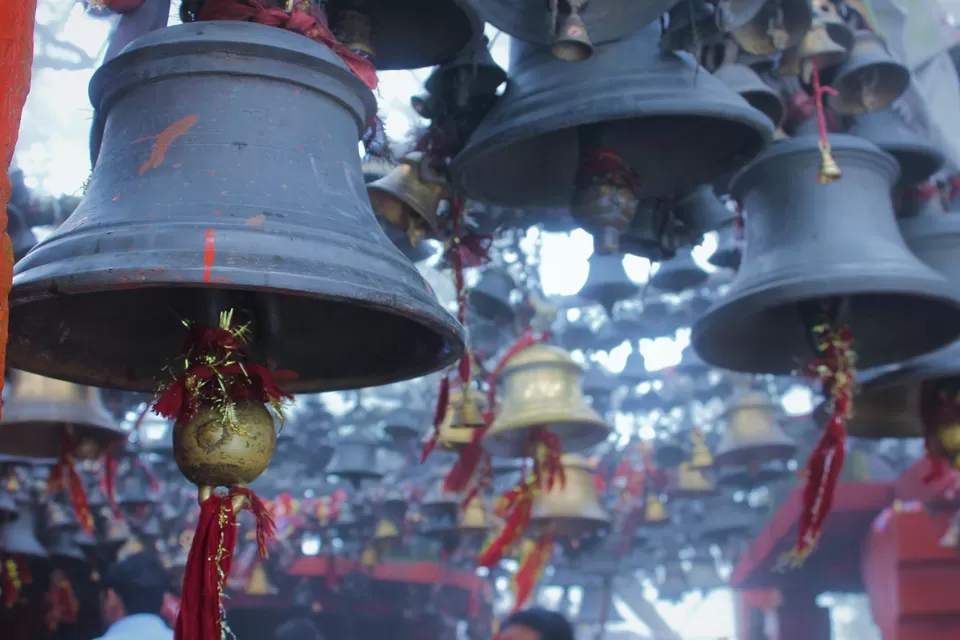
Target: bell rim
<point x="513" y="442"/>
<point x="505" y="14"/>
<point x="741" y="456"/>
<point x="738" y="478"/>
<point x="900" y="83"/>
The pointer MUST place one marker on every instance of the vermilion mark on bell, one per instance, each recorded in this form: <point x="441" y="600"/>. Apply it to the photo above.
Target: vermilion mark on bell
<point x="209" y="253"/>
<point x="163" y="140"/>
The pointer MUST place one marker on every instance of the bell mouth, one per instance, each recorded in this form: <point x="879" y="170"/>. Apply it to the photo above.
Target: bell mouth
<point x="571" y="50"/>
<point x="41" y="426"/>
<point x="888" y="81"/>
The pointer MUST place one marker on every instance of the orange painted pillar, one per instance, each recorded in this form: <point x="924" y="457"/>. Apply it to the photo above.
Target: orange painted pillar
<point x="911" y="580"/>
<point x="16" y="58"/>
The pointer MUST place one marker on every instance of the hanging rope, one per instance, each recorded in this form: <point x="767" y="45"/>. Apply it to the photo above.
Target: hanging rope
<point x="829" y="169"/>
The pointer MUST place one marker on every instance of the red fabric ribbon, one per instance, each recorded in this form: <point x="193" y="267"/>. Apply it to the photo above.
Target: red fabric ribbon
<point x="64" y="476"/>
<point x="313" y="26"/>
<point x="530" y="570"/>
<point x="108" y="482"/>
<point x="62" y="607"/>
<point x="265" y="526"/>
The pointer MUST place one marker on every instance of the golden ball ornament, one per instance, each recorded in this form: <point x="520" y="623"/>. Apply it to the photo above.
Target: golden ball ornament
<point x="212" y="451"/>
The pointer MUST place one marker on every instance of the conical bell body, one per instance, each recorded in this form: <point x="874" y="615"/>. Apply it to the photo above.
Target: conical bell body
<point x="294" y="247"/>
<point x="634" y="370"/>
<point x="692" y="484"/>
<point x="57" y="517"/>
<point x="386" y="536"/>
<point x="63" y="547"/>
<point x="541" y="388"/>
<point x="571" y="510"/>
<point x="407" y="200"/>
<point x="729" y="250"/>
<point x="464" y="414"/>
<point x="472" y="73"/>
<point x="817" y="49"/>
<point x="703" y="210"/>
<point x="870" y="80"/>
<point x="22" y="238"/>
<point x="394" y="505"/>
<point x="753" y="89"/>
<point x="918" y="158"/>
<point x="42" y="411"/>
<point x="440" y="502"/>
<point x="593" y="609"/>
<point x="669" y="454"/>
<point x="825" y="12"/>
<point x="410" y="34"/>
<point x="654" y="512"/>
<point x="403" y="425"/>
<point x="603" y="20"/>
<point x="673" y="125"/>
<point x="19" y="536"/>
<point x="725" y="521"/>
<point x="259" y="583"/>
<point x="474" y="520"/>
<point x="763" y="323"/>
<point x="607" y="281"/>
<point x="679" y="273"/>
<point x="776" y="26"/>
<point x="691" y="24"/>
<point x="752" y="436"/>
<point x="355" y="460"/>
<point x="491" y="297"/>
<point x="753" y="476"/>
<point x="113" y="531"/>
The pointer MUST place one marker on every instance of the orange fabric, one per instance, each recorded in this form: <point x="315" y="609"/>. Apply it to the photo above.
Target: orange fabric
<point x="16" y="56"/>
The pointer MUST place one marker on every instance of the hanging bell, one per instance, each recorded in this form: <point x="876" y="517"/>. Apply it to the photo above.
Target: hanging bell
<point x="825" y="12"/>
<point x="603" y="20"/>
<point x="691" y="484"/>
<point x="703" y="574"/>
<point x="703" y="210"/>
<point x="725" y="521"/>
<point x="18" y="537"/>
<point x="571" y="40"/>
<point x="886" y="293"/>
<point x="679" y="273"/>
<point x="593" y="609"/>
<point x="729" y="249"/>
<point x="634" y="370"/>
<point x="464" y="414"/>
<point x="21" y="235"/>
<point x="133" y="492"/>
<point x="817" y="49"/>
<point x="474" y="521"/>
<point x="472" y="74"/>
<point x="570" y="510"/>
<point x="407" y="199"/>
<point x="691" y="25"/>
<point x="541" y="389"/>
<point x="752" y="436"/>
<point x="386" y="537"/>
<point x="394" y="505"/>
<point x="598" y="387"/>
<point x="295" y="247"/>
<point x="403" y="35"/>
<point x="63" y="547"/>
<point x="777" y="26"/>
<point x="403" y="425"/>
<point x="701" y="458"/>
<point x="41" y="411"/>
<point x="654" y="512"/>
<point x="870" y="80"/>
<point x="58" y="518"/>
<point x="607" y="282"/>
<point x="490" y="299"/>
<point x="673" y="126"/>
<point x="752" y="476"/>
<point x="114" y="531"/>
<point x="355" y="460"/>
<point x="668" y="454"/>
<point x="439" y="502"/>
<point x="918" y="158"/>
<point x="259" y="583"/>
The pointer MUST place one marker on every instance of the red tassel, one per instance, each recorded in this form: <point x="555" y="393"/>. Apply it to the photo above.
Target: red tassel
<point x="266" y="528"/>
<point x="208" y="566"/>
<point x="463" y="470"/>
<point x="10" y="582"/>
<point x="109" y="480"/>
<point x="531" y="569"/>
<point x="515" y="508"/>
<point x="64" y="476"/>
<point x="62" y="607"/>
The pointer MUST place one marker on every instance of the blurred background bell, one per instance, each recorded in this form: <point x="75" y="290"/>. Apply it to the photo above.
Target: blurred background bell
<point x="18" y="537"/>
<point x="753" y="435"/>
<point x="679" y="273"/>
<point x="607" y="281"/>
<point x="355" y="460"/>
<point x="918" y="158"/>
<point x="776" y="26"/>
<point x="571" y="510"/>
<point x="870" y="79"/>
<point x="490" y="298"/>
<point x="407" y="200"/>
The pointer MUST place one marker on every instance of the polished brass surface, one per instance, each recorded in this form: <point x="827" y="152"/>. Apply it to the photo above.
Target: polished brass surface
<point x="465" y="410"/>
<point x="753" y="435"/>
<point x="701" y="458"/>
<point x="541" y="388"/>
<point x="212" y="453"/>
<point x="654" y="511"/>
<point x="572" y="40"/>
<point x="777" y="26"/>
<point x="474" y="519"/>
<point x="40" y="411"/>
<point x="405" y="200"/>
<point x="573" y="509"/>
<point x="817" y="48"/>
<point x="692" y="483"/>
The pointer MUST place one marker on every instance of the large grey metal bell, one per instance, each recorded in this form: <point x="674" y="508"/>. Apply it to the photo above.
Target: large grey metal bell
<point x="729" y="250"/>
<point x="703" y="210"/>
<point x="355" y="460"/>
<point x="672" y="123"/>
<point x="753" y="89"/>
<point x="602" y="20"/>
<point x="800" y="253"/>
<point x="491" y="297"/>
<point x="679" y="273"/>
<point x="918" y="159"/>
<point x="607" y="281"/>
<point x="19" y="537"/>
<point x="227" y="196"/>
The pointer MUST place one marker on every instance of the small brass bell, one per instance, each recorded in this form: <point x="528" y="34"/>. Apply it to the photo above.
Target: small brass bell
<point x="259" y="583"/>
<point x="542" y="390"/>
<point x="829" y="169"/>
<point x="692" y="484"/>
<point x="817" y="48"/>
<point x="407" y="199"/>
<point x="41" y="411"/>
<point x="654" y="511"/>
<point x="777" y="26"/>
<point x="571" y="41"/>
<point x="386" y="536"/>
<point x="18" y="537"/>
<point x="572" y="510"/>
<point x="701" y="458"/>
<point x="464" y="414"/>
<point x="753" y="435"/>
<point x="474" y="520"/>
<point x="870" y="79"/>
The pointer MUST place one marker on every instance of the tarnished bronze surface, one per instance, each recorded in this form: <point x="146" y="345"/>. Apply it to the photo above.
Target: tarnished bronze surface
<point x="572" y="510"/>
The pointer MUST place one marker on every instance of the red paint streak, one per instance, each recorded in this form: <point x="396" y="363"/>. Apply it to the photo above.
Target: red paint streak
<point x="163" y="140"/>
<point x="115" y="198"/>
<point x="209" y="253"/>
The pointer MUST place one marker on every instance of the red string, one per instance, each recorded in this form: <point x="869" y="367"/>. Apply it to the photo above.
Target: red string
<point x="307" y="24"/>
<point x="818" y="92"/>
<point x="64" y="476"/>
<point x="265" y="526"/>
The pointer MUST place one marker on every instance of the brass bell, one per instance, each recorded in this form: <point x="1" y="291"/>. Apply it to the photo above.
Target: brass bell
<point x="573" y="510"/>
<point x="825" y="12"/>
<point x="490" y="299"/>
<point x="474" y="520"/>
<point x="702" y="210"/>
<point x="571" y="41"/>
<point x="886" y="407"/>
<point x="668" y="453"/>
<point x="259" y="583"/>
<point x="18" y="537"/>
<point x="42" y="411"/>
<point x="763" y="323"/>
<point x="634" y="370"/>
<point x="776" y="26"/>
<point x="691" y="484"/>
<point x="701" y="458"/>
<point x="541" y="389"/>
<point x="386" y="536"/>
<point x="355" y="460"/>
<point x="654" y="512"/>
<point x="472" y="75"/>
<point x="870" y="79"/>
<point x="464" y="414"/>
<point x="114" y="530"/>
<point x="753" y="435"/>
<point x="407" y="200"/>
<point x="817" y="48"/>
<point x="918" y="157"/>
<point x="679" y="273"/>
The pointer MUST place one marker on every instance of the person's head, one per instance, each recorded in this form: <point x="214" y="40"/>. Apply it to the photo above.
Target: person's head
<point x="133" y="585"/>
<point x="536" y="623"/>
<point x="298" y="629"/>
